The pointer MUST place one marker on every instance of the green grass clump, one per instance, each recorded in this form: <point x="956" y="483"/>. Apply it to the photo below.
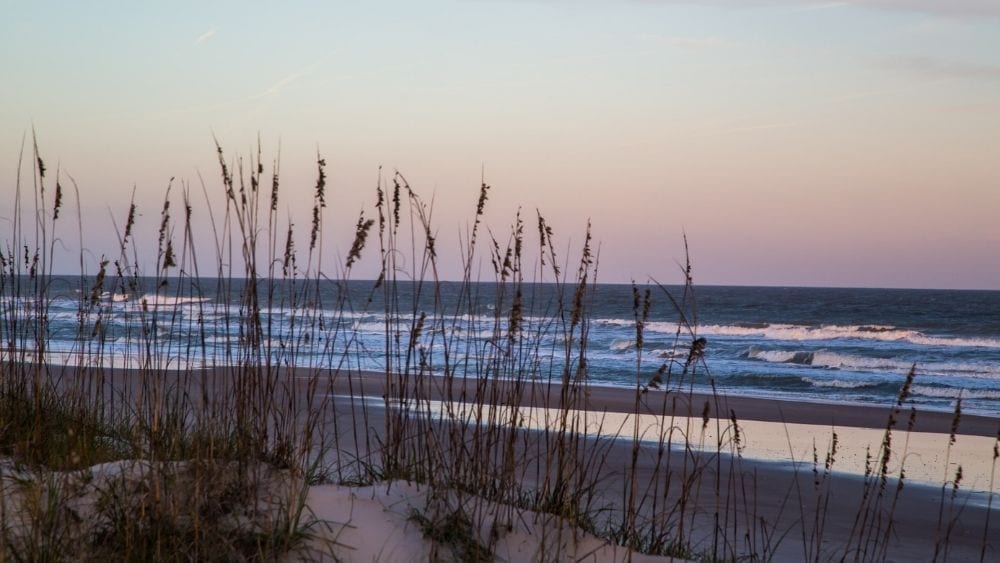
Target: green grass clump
<point x="52" y="433"/>
<point x="455" y="532"/>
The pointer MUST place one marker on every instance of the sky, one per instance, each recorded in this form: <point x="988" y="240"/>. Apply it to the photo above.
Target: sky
<point x="793" y="142"/>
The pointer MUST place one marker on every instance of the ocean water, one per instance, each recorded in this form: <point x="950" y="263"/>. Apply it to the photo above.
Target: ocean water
<point x="811" y="344"/>
<point x="834" y="345"/>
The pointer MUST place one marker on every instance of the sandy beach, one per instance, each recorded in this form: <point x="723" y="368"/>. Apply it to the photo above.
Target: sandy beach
<point x="776" y="455"/>
<point x="770" y="474"/>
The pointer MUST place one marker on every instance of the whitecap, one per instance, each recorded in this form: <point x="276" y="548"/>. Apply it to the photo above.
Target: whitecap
<point x="953" y="393"/>
<point x="620" y="345"/>
<point x="838" y="383"/>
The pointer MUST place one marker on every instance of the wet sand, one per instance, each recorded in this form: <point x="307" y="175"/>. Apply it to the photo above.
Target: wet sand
<point x="683" y="403"/>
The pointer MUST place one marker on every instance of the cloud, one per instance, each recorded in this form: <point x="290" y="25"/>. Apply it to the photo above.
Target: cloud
<point x="206" y="36"/>
<point x="940" y="68"/>
<point x="954" y="8"/>
<point x="271" y="90"/>
<point x="274" y="88"/>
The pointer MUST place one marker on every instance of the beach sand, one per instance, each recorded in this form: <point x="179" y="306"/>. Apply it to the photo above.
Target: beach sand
<point x="776" y="457"/>
<point x="770" y="476"/>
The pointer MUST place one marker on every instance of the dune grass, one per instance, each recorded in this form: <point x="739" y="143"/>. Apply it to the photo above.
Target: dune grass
<point x="132" y="447"/>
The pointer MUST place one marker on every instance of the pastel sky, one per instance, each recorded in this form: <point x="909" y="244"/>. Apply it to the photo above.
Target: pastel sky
<point x="795" y="142"/>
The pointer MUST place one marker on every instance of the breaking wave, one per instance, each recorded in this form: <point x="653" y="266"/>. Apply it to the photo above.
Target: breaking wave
<point x="953" y="393"/>
<point x="840" y="383"/>
<point x="823" y="332"/>
<point x="833" y="360"/>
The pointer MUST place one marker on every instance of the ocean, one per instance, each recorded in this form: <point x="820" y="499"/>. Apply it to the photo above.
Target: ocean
<point x="807" y="344"/>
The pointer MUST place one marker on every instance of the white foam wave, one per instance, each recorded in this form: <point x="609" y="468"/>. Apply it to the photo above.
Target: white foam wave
<point x="837" y="383"/>
<point x="124" y="357"/>
<point x="620" y="345"/>
<point x="671" y="354"/>
<point x="69" y="316"/>
<point x="369" y="326"/>
<point x="154" y="300"/>
<point x="618" y="322"/>
<point x="843" y="361"/>
<point x="833" y="360"/>
<point x="953" y="393"/>
<point x="828" y="332"/>
<point x="774" y="356"/>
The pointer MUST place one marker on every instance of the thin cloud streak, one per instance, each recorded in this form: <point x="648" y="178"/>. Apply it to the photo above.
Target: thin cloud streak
<point x="277" y="86"/>
<point x="206" y="36"/>
<point x="269" y="91"/>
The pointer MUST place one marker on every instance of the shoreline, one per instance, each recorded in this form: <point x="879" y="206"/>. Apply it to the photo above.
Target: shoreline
<point x="747" y="408"/>
<point x="621" y="399"/>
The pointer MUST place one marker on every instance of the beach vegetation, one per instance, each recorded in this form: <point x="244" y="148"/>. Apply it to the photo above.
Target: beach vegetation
<point x="130" y="446"/>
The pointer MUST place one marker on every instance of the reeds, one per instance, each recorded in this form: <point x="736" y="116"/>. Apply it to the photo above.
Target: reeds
<point x="253" y="382"/>
<point x="125" y="392"/>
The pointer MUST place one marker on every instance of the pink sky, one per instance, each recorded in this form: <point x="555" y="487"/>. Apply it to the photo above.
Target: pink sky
<point x="796" y="143"/>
